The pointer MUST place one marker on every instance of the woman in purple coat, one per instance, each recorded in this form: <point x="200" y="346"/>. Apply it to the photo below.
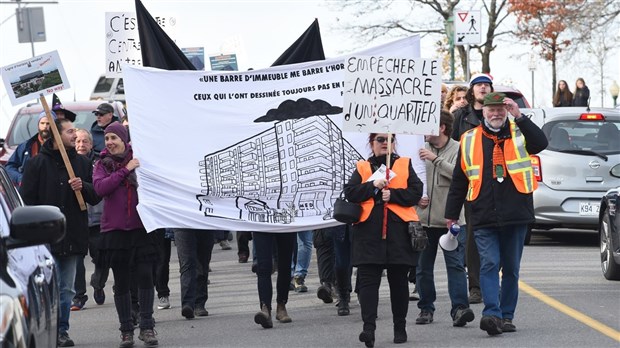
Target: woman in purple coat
<point x="125" y="244"/>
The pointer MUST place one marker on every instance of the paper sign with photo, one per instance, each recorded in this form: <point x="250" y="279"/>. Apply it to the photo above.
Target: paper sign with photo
<point x="380" y="174"/>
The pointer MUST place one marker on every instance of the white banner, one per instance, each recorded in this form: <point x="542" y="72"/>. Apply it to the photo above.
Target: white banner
<point x="387" y="94"/>
<point x="261" y="150"/>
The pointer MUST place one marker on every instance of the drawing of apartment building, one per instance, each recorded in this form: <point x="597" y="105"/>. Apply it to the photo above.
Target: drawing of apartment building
<point x="298" y="166"/>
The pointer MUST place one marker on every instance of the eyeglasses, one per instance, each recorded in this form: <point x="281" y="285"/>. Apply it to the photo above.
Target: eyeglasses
<point x="382" y="139"/>
<point x="98" y="114"/>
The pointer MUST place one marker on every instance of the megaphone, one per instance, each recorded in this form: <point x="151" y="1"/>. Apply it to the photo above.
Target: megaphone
<point x="448" y="241"/>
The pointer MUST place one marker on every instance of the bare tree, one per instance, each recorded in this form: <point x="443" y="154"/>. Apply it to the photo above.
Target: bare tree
<point x="406" y="20"/>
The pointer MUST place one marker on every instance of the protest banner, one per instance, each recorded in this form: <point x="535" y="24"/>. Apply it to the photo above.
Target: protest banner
<point x="259" y="150"/>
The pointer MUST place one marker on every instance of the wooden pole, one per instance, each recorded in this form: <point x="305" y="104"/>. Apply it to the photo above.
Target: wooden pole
<point x="387" y="176"/>
<point x="63" y="151"/>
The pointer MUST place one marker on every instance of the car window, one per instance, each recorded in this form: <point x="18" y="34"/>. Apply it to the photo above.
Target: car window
<point x="103" y="85"/>
<point x="26" y="125"/>
<point x="599" y="136"/>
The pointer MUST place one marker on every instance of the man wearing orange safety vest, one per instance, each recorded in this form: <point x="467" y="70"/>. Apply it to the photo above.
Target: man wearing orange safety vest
<point x="495" y="179"/>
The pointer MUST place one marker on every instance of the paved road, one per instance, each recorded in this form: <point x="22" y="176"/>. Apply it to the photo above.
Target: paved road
<point x="582" y="309"/>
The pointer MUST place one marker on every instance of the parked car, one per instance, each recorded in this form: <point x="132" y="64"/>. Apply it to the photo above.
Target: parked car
<point x="609" y="232"/>
<point x="577" y="167"/>
<point x="29" y="296"/>
<point x="109" y="88"/>
<point x="510" y="92"/>
<point x="24" y="124"/>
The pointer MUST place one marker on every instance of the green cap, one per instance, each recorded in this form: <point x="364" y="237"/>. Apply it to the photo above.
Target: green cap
<point x="494" y="98"/>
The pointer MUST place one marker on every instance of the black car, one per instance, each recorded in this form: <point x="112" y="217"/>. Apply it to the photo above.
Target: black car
<point x="609" y="234"/>
<point x="29" y="296"/>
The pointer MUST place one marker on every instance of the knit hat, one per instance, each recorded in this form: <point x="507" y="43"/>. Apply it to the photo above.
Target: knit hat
<point x="42" y="114"/>
<point x="119" y="130"/>
<point x="480" y="78"/>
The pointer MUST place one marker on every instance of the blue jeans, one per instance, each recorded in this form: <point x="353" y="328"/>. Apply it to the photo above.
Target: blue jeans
<point x="500" y="246"/>
<point x="457" y="278"/>
<point x="66" y="266"/>
<point x="304" y="254"/>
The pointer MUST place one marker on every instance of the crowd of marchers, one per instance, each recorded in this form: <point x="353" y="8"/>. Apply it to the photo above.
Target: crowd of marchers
<point x="479" y="178"/>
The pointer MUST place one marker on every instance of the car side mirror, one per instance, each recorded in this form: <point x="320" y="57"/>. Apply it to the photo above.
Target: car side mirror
<point x="34" y="225"/>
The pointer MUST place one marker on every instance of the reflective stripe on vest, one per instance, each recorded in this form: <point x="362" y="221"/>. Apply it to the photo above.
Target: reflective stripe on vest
<point x="401" y="168"/>
<point x="518" y="161"/>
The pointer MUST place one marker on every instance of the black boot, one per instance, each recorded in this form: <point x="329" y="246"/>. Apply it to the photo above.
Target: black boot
<point x="343" y="304"/>
<point x="343" y="279"/>
<point x="326" y="292"/>
<point x="368" y="336"/>
<point x="400" y="333"/>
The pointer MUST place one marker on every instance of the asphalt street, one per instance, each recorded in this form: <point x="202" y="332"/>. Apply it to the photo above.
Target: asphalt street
<point x="564" y="302"/>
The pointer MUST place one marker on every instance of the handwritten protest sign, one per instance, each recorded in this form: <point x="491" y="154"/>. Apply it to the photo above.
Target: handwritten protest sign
<point x="123" y="41"/>
<point x="392" y="95"/>
<point x="28" y="79"/>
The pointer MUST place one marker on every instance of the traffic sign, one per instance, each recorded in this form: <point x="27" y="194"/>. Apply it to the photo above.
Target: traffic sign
<point x="467" y="28"/>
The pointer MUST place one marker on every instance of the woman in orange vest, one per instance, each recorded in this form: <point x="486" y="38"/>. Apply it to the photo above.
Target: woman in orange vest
<point x="372" y="251"/>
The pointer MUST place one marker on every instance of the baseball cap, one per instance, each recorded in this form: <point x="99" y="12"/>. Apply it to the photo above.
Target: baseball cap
<point x="494" y="98"/>
<point x="104" y="108"/>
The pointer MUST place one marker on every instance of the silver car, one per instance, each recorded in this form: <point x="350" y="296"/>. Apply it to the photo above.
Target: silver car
<point x="575" y="170"/>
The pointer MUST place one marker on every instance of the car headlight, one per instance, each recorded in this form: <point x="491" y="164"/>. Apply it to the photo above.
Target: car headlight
<point x="615" y="171"/>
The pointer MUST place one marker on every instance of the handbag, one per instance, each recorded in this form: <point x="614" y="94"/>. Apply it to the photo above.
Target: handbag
<point x="345" y="211"/>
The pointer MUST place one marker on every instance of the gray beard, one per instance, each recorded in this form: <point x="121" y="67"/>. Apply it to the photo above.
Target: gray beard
<point x="494" y="130"/>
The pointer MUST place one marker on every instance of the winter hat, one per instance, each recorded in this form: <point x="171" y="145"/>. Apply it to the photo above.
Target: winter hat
<point x="119" y="130"/>
<point x="42" y="114"/>
<point x="481" y="78"/>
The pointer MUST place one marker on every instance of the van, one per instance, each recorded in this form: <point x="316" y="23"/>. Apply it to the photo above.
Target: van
<point x="109" y="88"/>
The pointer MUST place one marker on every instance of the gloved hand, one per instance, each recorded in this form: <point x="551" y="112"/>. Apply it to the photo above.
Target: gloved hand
<point x="419" y="239"/>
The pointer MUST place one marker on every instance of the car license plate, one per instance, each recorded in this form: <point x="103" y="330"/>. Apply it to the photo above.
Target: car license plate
<point x="588" y="208"/>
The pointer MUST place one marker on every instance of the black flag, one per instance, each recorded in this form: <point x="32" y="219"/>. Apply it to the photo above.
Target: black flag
<point x="307" y="48"/>
<point x="158" y="49"/>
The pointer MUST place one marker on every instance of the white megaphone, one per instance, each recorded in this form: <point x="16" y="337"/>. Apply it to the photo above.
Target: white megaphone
<point x="448" y="241"/>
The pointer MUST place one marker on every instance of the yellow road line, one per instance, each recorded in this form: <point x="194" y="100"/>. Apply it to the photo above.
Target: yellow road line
<point x="596" y="325"/>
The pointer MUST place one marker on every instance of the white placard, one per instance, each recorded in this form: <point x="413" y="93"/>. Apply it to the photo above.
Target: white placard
<point x="28" y="79"/>
<point x="123" y="40"/>
<point x="386" y="94"/>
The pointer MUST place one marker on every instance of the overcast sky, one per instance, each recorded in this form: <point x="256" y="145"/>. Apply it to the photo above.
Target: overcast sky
<point x="262" y="30"/>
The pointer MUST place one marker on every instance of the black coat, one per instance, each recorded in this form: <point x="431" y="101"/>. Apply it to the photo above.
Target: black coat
<point x="497" y="204"/>
<point x="45" y="181"/>
<point x="368" y="247"/>
<point x="581" y="96"/>
<point x="465" y="118"/>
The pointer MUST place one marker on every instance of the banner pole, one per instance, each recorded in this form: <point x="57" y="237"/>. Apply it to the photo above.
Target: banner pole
<point x="387" y="177"/>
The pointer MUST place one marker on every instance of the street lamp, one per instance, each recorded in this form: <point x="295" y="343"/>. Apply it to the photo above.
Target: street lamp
<point x="614" y="90"/>
<point x="449" y="24"/>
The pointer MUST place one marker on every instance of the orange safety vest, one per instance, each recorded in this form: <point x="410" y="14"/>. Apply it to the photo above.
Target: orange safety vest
<point x="518" y="161"/>
<point x="401" y="168"/>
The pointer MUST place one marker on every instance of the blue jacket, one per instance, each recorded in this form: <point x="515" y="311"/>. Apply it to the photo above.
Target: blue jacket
<point x="15" y="165"/>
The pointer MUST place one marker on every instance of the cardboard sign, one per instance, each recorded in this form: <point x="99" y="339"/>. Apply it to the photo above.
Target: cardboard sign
<point x="123" y="41"/>
<point x="28" y="79"/>
<point x="392" y="95"/>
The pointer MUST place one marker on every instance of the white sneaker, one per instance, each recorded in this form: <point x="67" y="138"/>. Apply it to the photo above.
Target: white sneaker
<point x="164" y="303"/>
<point x="225" y="245"/>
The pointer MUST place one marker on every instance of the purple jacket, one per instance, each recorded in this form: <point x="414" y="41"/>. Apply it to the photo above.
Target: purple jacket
<point x="119" y="198"/>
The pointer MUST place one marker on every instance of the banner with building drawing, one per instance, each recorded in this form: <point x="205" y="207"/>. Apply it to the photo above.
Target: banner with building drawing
<point x="261" y="150"/>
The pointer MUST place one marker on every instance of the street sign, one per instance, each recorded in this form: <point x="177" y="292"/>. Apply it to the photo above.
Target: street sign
<point x="30" y="24"/>
<point x="467" y="28"/>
